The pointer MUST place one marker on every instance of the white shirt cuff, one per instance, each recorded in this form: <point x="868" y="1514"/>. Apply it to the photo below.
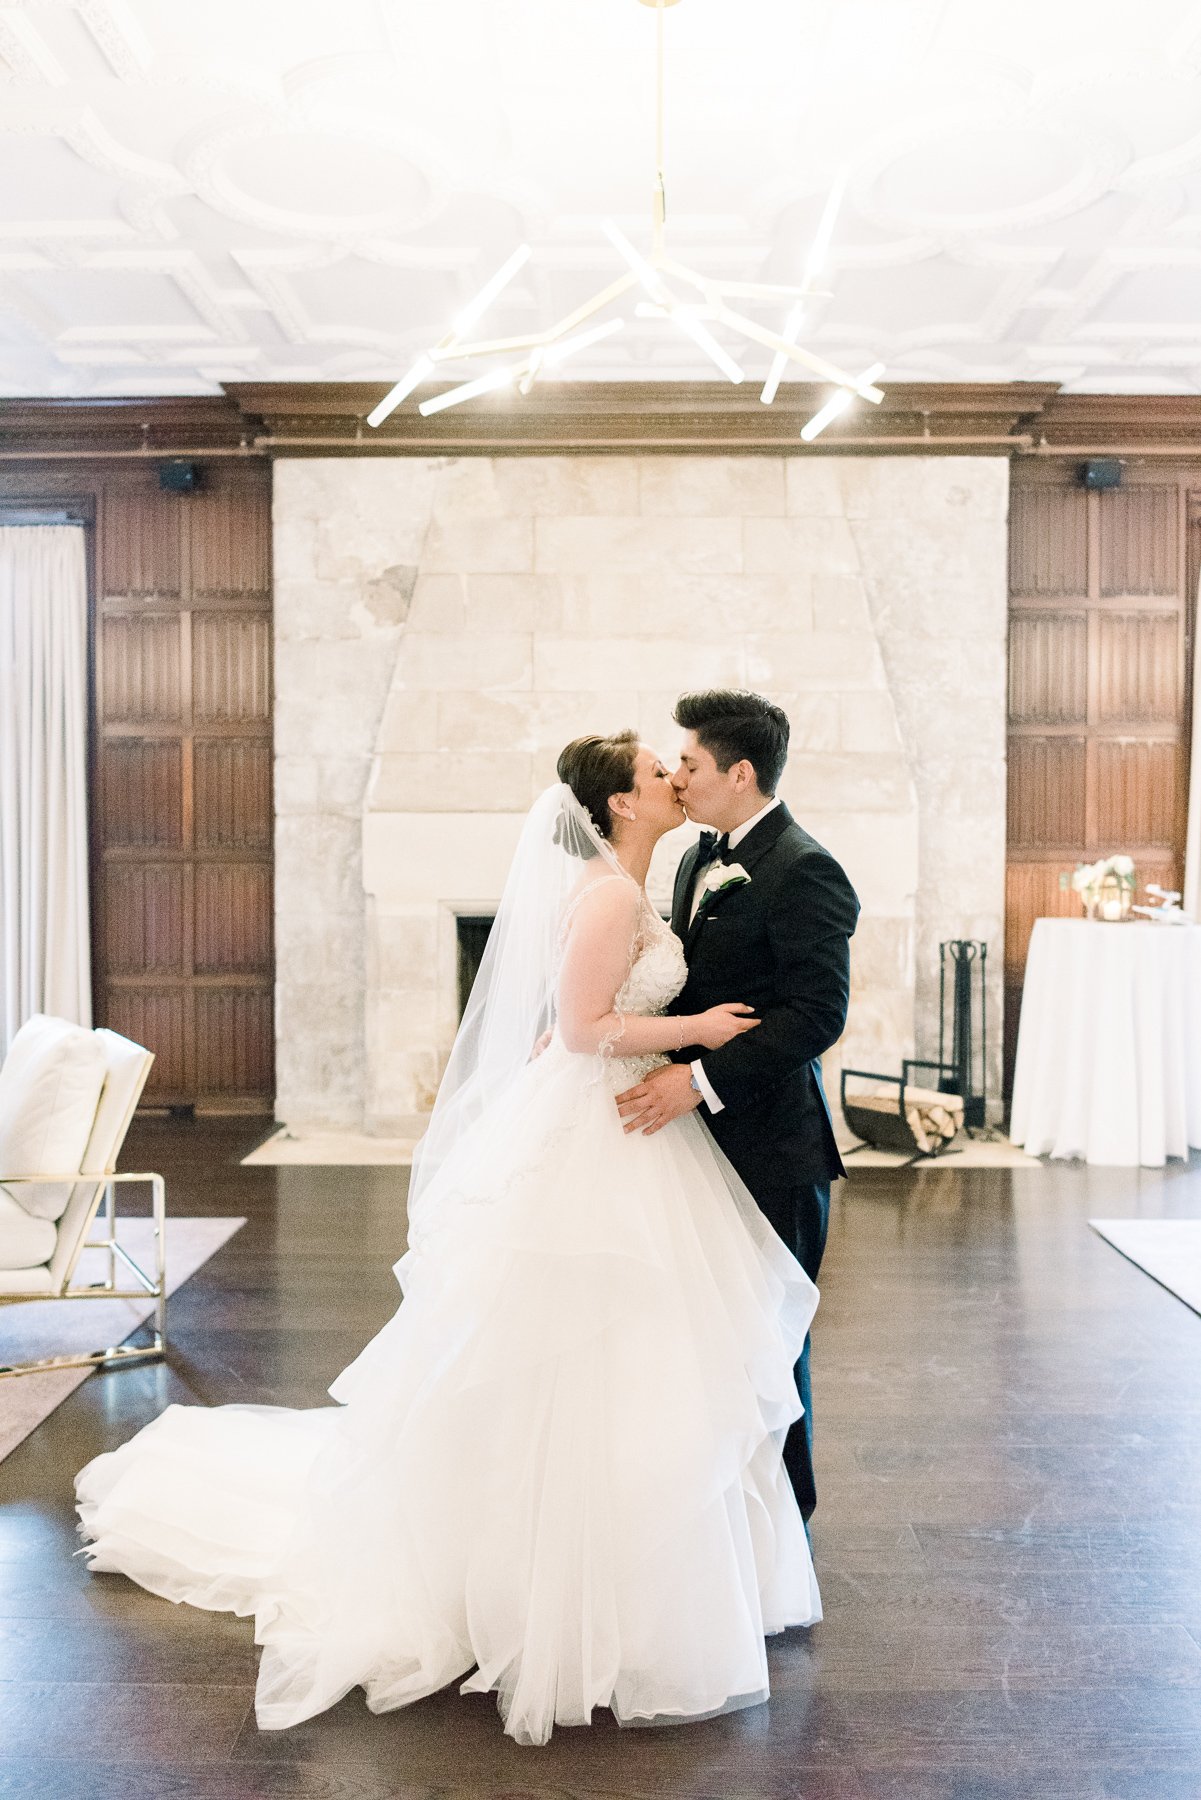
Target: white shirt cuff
<point x="702" y="1081"/>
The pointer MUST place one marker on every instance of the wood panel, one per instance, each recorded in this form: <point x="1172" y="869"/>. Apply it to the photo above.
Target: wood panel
<point x="1048" y="667"/>
<point x="183" y="780"/>
<point x="138" y="664"/>
<point x="233" y="918"/>
<point x="144" y="918"/>
<point x="232" y="794"/>
<point x="230" y="540"/>
<point x="1048" y="542"/>
<point x="1132" y="795"/>
<point x="231" y="669"/>
<point x="1139" y="672"/>
<point x="140" y="542"/>
<point x="141" y="783"/>
<point x="1139" y="536"/>
<point x="235" y="1040"/>
<point x="1099" y="690"/>
<point x="1047" y="784"/>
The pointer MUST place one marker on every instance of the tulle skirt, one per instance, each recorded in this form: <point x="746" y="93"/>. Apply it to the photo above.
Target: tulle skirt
<point x="556" y="1471"/>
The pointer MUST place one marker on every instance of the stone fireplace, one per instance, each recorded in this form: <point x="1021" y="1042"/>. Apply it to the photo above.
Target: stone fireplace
<point x="444" y="625"/>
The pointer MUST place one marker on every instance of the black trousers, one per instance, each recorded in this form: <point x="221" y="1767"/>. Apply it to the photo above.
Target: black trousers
<point x="800" y="1214"/>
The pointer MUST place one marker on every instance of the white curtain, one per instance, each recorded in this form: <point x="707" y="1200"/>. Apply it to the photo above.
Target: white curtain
<point x="45" y="964"/>
<point x="1192" y="844"/>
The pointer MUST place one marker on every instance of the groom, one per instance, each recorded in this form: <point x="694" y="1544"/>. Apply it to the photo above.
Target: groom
<point x="766" y="917"/>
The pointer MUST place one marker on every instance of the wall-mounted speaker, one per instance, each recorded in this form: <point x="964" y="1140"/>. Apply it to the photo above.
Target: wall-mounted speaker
<point x="1101" y="472"/>
<point x="179" y="477"/>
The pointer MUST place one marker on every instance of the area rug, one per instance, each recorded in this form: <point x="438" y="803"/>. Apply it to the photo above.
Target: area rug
<point x="57" y="1327"/>
<point x="352" y="1149"/>
<point x="355" y="1150"/>
<point x="1168" y="1250"/>
<point x="968" y="1153"/>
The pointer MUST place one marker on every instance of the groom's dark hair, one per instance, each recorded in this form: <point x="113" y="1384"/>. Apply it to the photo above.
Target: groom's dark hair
<point x="736" y="726"/>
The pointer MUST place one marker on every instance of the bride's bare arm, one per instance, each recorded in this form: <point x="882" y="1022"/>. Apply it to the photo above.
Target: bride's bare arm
<point x="596" y="962"/>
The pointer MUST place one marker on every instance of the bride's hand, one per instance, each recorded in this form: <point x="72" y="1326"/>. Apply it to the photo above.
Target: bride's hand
<point x="721" y="1023"/>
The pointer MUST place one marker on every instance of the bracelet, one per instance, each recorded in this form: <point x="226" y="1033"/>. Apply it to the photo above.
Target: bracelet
<point x="680" y="1045"/>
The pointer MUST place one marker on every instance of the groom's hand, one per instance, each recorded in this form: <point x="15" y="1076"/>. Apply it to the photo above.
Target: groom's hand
<point x="655" y="1102"/>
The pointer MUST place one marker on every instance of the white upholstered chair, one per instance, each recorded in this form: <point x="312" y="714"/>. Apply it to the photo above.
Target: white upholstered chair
<point x="67" y="1097"/>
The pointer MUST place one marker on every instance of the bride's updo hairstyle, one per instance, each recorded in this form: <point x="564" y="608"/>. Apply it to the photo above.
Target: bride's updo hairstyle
<point x="594" y="768"/>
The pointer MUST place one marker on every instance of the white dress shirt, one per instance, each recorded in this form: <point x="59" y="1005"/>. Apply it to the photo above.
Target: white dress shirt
<point x="702" y="1081"/>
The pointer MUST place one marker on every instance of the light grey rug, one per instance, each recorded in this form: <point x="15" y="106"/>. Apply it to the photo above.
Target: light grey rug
<point x="967" y="1153"/>
<point x="57" y="1327"/>
<point x="1168" y="1250"/>
<point x="348" y="1148"/>
<point x="353" y="1148"/>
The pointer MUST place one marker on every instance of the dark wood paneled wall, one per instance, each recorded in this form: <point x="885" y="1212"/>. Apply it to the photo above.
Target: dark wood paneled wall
<point x="182" y="926"/>
<point x="1102" y="585"/>
<point x="183" y="776"/>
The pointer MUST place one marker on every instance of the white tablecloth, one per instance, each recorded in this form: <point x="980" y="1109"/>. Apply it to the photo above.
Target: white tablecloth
<point x="1109" y="1048"/>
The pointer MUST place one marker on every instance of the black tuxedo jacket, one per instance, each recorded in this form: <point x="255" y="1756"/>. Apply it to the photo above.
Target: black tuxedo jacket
<point x="780" y="942"/>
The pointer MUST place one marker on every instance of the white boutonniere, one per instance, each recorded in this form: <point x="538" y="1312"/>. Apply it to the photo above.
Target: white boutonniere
<point x="720" y="876"/>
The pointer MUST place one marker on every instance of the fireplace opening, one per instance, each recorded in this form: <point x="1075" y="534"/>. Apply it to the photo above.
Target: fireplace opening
<point x="473" y="929"/>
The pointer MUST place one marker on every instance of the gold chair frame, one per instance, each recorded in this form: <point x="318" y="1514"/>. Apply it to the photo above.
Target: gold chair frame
<point x="149" y="1285"/>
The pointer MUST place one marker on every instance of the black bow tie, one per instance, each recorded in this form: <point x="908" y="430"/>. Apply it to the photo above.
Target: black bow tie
<point x="712" y="848"/>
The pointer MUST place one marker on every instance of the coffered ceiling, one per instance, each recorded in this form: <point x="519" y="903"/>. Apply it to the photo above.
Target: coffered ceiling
<point x="263" y="190"/>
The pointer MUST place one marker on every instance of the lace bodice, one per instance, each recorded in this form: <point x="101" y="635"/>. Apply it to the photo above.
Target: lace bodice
<point x="658" y="971"/>
<point x="657" y="974"/>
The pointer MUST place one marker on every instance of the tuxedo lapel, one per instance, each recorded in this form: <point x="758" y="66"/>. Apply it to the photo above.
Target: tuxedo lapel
<point x="757" y="843"/>
<point x="748" y="852"/>
<point x="697" y="920"/>
<point x="685" y="878"/>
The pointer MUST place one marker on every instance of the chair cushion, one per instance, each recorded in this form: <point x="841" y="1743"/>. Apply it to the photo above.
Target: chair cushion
<point x="126" y="1067"/>
<point x="50" y="1085"/>
<point x="25" y="1242"/>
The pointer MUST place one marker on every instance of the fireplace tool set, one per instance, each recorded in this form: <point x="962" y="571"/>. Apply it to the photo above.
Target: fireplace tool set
<point x="921" y="1122"/>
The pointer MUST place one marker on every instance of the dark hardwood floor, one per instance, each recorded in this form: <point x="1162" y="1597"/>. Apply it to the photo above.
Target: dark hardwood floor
<point x="1008" y="1537"/>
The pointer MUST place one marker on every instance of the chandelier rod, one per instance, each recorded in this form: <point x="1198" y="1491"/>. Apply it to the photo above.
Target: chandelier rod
<point x="659" y="209"/>
<point x="539" y="349"/>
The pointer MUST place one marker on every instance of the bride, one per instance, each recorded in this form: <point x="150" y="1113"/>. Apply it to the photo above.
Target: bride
<point x="559" y="1464"/>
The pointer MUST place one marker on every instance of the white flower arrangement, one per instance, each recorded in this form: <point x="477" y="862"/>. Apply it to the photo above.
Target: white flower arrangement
<point x="1091" y="875"/>
<point x="1106" y="885"/>
<point x="720" y="876"/>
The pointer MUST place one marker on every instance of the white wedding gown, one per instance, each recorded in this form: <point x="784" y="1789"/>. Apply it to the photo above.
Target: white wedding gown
<point x="558" y="1465"/>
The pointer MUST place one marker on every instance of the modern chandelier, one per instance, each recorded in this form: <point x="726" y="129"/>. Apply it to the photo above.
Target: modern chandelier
<point x="683" y="298"/>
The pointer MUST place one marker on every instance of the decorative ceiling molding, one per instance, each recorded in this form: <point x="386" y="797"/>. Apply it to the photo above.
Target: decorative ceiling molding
<point x="283" y="419"/>
<point x="119" y="36"/>
<point x="1024" y="198"/>
<point x="25" y="51"/>
<point x="1134" y="424"/>
<point x="691" y="417"/>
